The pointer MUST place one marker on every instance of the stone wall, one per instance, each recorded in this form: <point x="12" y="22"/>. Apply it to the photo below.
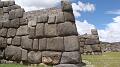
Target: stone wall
<point x="89" y="43"/>
<point x="45" y="36"/>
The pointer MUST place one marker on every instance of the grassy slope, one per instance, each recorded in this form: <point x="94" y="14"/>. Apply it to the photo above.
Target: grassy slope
<point x="110" y="59"/>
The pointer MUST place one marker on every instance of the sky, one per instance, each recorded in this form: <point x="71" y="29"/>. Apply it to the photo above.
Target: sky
<point x="103" y="15"/>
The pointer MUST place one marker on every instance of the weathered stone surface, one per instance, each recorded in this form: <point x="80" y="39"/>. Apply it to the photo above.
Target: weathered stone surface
<point x="15" y="23"/>
<point x="1" y="54"/>
<point x="3" y="42"/>
<point x="0" y="24"/>
<point x="23" y="21"/>
<point x="40" y="30"/>
<point x="22" y="30"/>
<point x="59" y="18"/>
<point x="24" y="56"/>
<point x="91" y="41"/>
<point x="13" y="53"/>
<point x="6" y="3"/>
<point x="94" y="31"/>
<point x="51" y="19"/>
<point x="1" y="11"/>
<point x="9" y="41"/>
<point x="11" y="32"/>
<point x="19" y="13"/>
<point x="88" y="49"/>
<point x="32" y="23"/>
<point x="12" y="14"/>
<point x="5" y="20"/>
<point x="50" y="30"/>
<point x="70" y="58"/>
<point x="42" y="18"/>
<point x="31" y="31"/>
<point x="69" y="16"/>
<point x="35" y="44"/>
<point x="3" y="32"/>
<point x="11" y="3"/>
<point x="5" y="9"/>
<point x="34" y="57"/>
<point x="42" y="44"/>
<point x="56" y="44"/>
<point x="16" y="41"/>
<point x="26" y="43"/>
<point x="67" y="65"/>
<point x="96" y="47"/>
<point x="81" y="44"/>
<point x="1" y="4"/>
<point x="49" y="57"/>
<point x="71" y="43"/>
<point x="67" y="28"/>
<point x="13" y="7"/>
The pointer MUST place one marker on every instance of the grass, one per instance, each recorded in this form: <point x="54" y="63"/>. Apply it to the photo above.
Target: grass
<point x="109" y="59"/>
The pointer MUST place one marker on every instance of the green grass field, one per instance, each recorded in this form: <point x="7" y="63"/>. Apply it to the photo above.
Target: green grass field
<point x="109" y="59"/>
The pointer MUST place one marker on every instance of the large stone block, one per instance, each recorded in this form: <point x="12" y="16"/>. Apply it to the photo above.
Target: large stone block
<point x="22" y="30"/>
<point x="6" y="9"/>
<point x="68" y="65"/>
<point x="35" y="44"/>
<point x="94" y="31"/>
<point x="51" y="19"/>
<point x="1" y="4"/>
<point x="11" y="3"/>
<point x="24" y="56"/>
<point x="60" y="18"/>
<point x="31" y="31"/>
<point x="1" y="11"/>
<point x="32" y="23"/>
<point x="15" y="23"/>
<point x="42" y="19"/>
<point x="42" y="44"/>
<point x="6" y="23"/>
<point x="6" y="3"/>
<point x="19" y="13"/>
<point x="70" y="58"/>
<point x="23" y="21"/>
<point x="50" y="30"/>
<point x="82" y="44"/>
<point x="26" y="43"/>
<point x="92" y="41"/>
<point x="3" y="32"/>
<point x="13" y="53"/>
<point x="88" y="49"/>
<point x="69" y="16"/>
<point x="71" y="43"/>
<point x="96" y="47"/>
<point x="13" y="7"/>
<point x="67" y="28"/>
<point x="50" y="57"/>
<point x="3" y="42"/>
<point x="16" y="41"/>
<point x="40" y="30"/>
<point x="1" y="54"/>
<point x="11" y="32"/>
<point x="12" y="14"/>
<point x="34" y="57"/>
<point x="9" y="41"/>
<point x="56" y="44"/>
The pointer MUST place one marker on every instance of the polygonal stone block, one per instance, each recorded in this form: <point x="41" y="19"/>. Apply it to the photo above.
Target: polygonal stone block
<point x="11" y="3"/>
<point x="19" y="13"/>
<point x="23" y="21"/>
<point x="6" y="3"/>
<point x="15" y="23"/>
<point x="9" y="41"/>
<point x="16" y="41"/>
<point x="51" y="19"/>
<point x="69" y="16"/>
<point x="24" y="56"/>
<point x="22" y="30"/>
<point x="42" y="44"/>
<point x="3" y="42"/>
<point x="92" y="41"/>
<point x="42" y="18"/>
<point x="1" y="4"/>
<point x="35" y="44"/>
<point x="31" y="31"/>
<point x="1" y="11"/>
<point x="11" y="14"/>
<point x="11" y="32"/>
<point x="6" y="9"/>
<point x="60" y="18"/>
<point x="3" y="32"/>
<point x="13" y="7"/>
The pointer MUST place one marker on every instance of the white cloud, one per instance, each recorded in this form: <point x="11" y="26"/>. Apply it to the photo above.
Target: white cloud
<point x="82" y="7"/>
<point x="117" y="12"/>
<point x="84" y="27"/>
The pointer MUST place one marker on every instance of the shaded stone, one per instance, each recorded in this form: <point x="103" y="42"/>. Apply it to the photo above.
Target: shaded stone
<point x="16" y="41"/>
<point x="11" y="32"/>
<point x="35" y="44"/>
<point x="59" y="18"/>
<point x="5" y="20"/>
<point x="13" y="53"/>
<point x="12" y="14"/>
<point x="6" y="3"/>
<point x="50" y="57"/>
<point x="3" y="42"/>
<point x="40" y="30"/>
<point x="55" y="44"/>
<point x="32" y="23"/>
<point x="67" y="28"/>
<point x="1" y="12"/>
<point x="42" y="18"/>
<point x="50" y="30"/>
<point x="42" y="44"/>
<point x="6" y="9"/>
<point x="9" y="41"/>
<point x="13" y="7"/>
<point x="69" y="16"/>
<point x="15" y="23"/>
<point x="1" y="4"/>
<point x="3" y="32"/>
<point x="22" y="30"/>
<point x="94" y="31"/>
<point x="1" y="54"/>
<point x="71" y="43"/>
<point x="34" y="57"/>
<point x="11" y="3"/>
<point x="26" y="43"/>
<point x="0" y="24"/>
<point x="31" y="31"/>
<point x="19" y="13"/>
<point x="24" y="55"/>
<point x="91" y="41"/>
<point x="70" y="58"/>
<point x="81" y="44"/>
<point x="51" y="19"/>
<point x="23" y="21"/>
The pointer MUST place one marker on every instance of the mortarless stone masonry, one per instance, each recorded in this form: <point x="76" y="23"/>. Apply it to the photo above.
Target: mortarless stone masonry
<point x="46" y="36"/>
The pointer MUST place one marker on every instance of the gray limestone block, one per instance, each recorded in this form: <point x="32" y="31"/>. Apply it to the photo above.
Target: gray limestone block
<point x="6" y="3"/>
<point x="51" y="19"/>
<point x="35" y="44"/>
<point x="23" y="21"/>
<point x="71" y="43"/>
<point x="1" y="4"/>
<point x="1" y="11"/>
<point x="22" y="30"/>
<point x="9" y="41"/>
<point x="60" y="18"/>
<point x="82" y="44"/>
<point x="96" y="47"/>
<point x="3" y="42"/>
<point x="42" y="44"/>
<point x="42" y="19"/>
<point x="12" y="14"/>
<point x="1" y="24"/>
<point x="13" y="7"/>
<point x="3" y="32"/>
<point x="70" y="58"/>
<point x="6" y="23"/>
<point x="19" y="13"/>
<point x="56" y="44"/>
<point x="6" y="9"/>
<point x="31" y="32"/>
<point x="15" y="23"/>
<point x="26" y="43"/>
<point x="68" y="65"/>
<point x="11" y="32"/>
<point x="1" y="54"/>
<point x="32" y="23"/>
<point x="40" y="30"/>
<point x="16" y="41"/>
<point x="50" y="30"/>
<point x="66" y="6"/>
<point x="11" y="3"/>
<point x="24" y="56"/>
<point x="51" y="57"/>
<point x="34" y="57"/>
<point x="69" y="16"/>
<point x="66" y="29"/>
<point x="13" y="53"/>
<point x="87" y="48"/>
<point x="94" y="31"/>
<point x="92" y="41"/>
